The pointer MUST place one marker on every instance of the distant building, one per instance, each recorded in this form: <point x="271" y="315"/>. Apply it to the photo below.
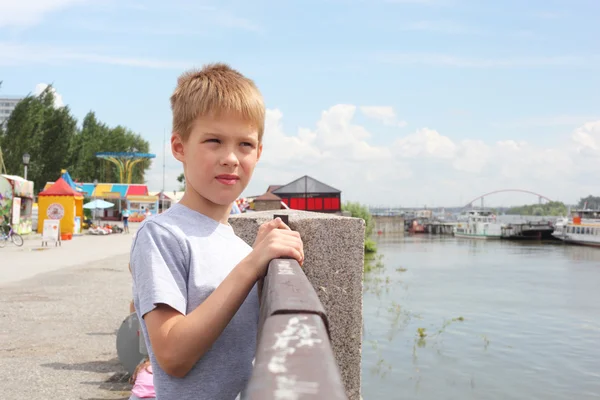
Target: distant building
<point x="309" y="194"/>
<point x="7" y="105"/>
<point x="267" y="201"/>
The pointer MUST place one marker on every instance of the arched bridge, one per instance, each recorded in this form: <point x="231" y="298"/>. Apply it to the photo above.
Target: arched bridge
<point x="539" y="196"/>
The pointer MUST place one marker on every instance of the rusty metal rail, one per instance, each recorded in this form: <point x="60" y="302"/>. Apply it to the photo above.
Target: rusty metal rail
<point x="294" y="359"/>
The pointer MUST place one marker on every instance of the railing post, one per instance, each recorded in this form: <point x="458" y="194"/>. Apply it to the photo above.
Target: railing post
<point x="293" y="358"/>
<point x="333" y="266"/>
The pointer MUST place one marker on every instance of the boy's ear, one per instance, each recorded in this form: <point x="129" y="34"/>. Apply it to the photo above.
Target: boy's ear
<point x="177" y="147"/>
<point x="260" y="148"/>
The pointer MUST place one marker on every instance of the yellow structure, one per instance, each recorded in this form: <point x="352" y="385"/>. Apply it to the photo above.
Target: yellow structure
<point x="125" y="161"/>
<point x="61" y="202"/>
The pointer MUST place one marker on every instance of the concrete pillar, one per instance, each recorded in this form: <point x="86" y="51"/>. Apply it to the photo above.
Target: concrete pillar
<point x="334" y="263"/>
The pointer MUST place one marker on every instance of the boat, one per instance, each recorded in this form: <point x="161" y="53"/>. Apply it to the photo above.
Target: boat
<point x="417" y="226"/>
<point x="478" y="224"/>
<point x="582" y="227"/>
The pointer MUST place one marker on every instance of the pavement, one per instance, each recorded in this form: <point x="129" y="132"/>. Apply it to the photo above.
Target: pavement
<point x="61" y="309"/>
<point x="18" y="263"/>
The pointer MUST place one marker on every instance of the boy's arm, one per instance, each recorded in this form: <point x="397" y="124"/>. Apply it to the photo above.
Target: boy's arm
<point x="179" y="341"/>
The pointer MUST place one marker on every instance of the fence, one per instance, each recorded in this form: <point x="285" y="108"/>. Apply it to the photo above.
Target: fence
<point x="294" y="359"/>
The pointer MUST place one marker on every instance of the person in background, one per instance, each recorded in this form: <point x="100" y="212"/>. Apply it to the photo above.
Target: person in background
<point x="125" y="216"/>
<point x="142" y="380"/>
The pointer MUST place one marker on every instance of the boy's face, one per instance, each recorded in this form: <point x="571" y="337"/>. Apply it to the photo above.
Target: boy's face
<point x="219" y="157"/>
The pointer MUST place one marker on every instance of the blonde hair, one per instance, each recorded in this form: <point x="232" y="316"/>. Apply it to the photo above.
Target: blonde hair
<point x="211" y="91"/>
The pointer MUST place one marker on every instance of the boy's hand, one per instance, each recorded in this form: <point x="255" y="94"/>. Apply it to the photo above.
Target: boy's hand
<point x="275" y="240"/>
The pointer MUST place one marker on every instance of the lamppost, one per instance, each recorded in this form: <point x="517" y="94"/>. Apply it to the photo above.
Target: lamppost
<point x="26" y="158"/>
<point x="94" y="197"/>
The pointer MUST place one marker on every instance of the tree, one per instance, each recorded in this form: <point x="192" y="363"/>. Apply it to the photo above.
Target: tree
<point x="36" y="127"/>
<point x="51" y="137"/>
<point x="24" y="133"/>
<point x="96" y="137"/>
<point x="589" y="202"/>
<point x="181" y="179"/>
<point x="85" y="165"/>
<point x="552" y="208"/>
<point x="358" y="210"/>
<point x="60" y="128"/>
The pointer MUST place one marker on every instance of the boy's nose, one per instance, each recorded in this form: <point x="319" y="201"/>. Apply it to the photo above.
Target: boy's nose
<point x="230" y="159"/>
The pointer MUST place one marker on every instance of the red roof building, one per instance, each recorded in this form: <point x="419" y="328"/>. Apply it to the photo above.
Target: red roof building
<point x="309" y="194"/>
<point x="60" y="188"/>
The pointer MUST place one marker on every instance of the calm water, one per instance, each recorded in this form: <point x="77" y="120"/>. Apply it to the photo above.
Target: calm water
<point x="530" y="326"/>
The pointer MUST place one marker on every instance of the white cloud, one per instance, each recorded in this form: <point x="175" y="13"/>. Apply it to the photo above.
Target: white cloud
<point x="425" y="143"/>
<point x="58" y="100"/>
<point x="587" y="139"/>
<point x="549" y="120"/>
<point x="18" y="54"/>
<point x="448" y="27"/>
<point x="385" y="114"/>
<point x="24" y="13"/>
<point x="421" y="167"/>
<point x="449" y="60"/>
<point x="472" y="156"/>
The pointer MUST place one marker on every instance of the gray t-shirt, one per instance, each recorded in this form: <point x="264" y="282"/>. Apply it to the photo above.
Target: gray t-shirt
<point x="179" y="258"/>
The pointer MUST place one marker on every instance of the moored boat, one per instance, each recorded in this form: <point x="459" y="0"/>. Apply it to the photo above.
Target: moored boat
<point x="582" y="227"/>
<point x="478" y="224"/>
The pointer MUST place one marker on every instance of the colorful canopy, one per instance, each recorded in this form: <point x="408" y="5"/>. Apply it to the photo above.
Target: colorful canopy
<point x="60" y="188"/>
<point x="98" y="203"/>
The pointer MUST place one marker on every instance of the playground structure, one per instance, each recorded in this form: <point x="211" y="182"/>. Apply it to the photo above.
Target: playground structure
<point x="61" y="202"/>
<point x="133" y="196"/>
<point x="125" y="161"/>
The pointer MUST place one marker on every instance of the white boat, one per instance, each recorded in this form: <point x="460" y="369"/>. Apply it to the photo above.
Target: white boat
<point x="478" y="224"/>
<point x="583" y="227"/>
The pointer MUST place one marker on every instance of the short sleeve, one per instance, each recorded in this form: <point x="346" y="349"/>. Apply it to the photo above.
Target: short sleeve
<point x="159" y="269"/>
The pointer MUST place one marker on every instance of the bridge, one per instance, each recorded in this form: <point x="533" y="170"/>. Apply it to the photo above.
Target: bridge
<point x="483" y="196"/>
<point x="398" y="210"/>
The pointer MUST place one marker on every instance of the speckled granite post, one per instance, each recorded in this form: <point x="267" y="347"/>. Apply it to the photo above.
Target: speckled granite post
<point x="334" y="257"/>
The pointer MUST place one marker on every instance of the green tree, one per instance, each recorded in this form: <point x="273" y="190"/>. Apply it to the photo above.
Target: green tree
<point x="51" y="137"/>
<point x="24" y="134"/>
<point x="552" y="208"/>
<point x="181" y="179"/>
<point x="358" y="210"/>
<point x="96" y="137"/>
<point x="589" y="202"/>
<point x="45" y="132"/>
<point x="60" y="128"/>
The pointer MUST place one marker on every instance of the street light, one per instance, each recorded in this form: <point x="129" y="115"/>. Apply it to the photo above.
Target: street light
<point x="26" y="158"/>
<point x="94" y="197"/>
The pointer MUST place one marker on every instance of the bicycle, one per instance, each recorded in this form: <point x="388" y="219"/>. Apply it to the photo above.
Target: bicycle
<point x="12" y="236"/>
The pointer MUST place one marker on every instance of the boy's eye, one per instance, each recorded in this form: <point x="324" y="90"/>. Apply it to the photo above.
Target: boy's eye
<point x="213" y="141"/>
<point x="247" y="144"/>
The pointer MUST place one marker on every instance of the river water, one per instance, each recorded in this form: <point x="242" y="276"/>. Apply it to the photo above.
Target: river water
<point x="448" y="318"/>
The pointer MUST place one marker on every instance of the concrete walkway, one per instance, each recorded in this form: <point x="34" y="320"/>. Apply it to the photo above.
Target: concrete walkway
<point x="18" y="263"/>
<point x="61" y="309"/>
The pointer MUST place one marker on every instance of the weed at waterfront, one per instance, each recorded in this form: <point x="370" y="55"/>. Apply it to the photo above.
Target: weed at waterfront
<point x="422" y="334"/>
<point x="381" y="367"/>
<point x="373" y="262"/>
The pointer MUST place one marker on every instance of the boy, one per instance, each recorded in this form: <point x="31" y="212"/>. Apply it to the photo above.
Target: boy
<point x="194" y="280"/>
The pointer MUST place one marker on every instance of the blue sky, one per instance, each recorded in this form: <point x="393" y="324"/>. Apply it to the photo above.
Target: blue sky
<point x="394" y="102"/>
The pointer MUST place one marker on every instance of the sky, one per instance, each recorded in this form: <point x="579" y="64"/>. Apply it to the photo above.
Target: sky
<point x="397" y="103"/>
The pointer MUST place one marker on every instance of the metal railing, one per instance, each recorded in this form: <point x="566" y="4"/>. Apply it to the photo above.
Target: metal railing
<point x="294" y="358"/>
